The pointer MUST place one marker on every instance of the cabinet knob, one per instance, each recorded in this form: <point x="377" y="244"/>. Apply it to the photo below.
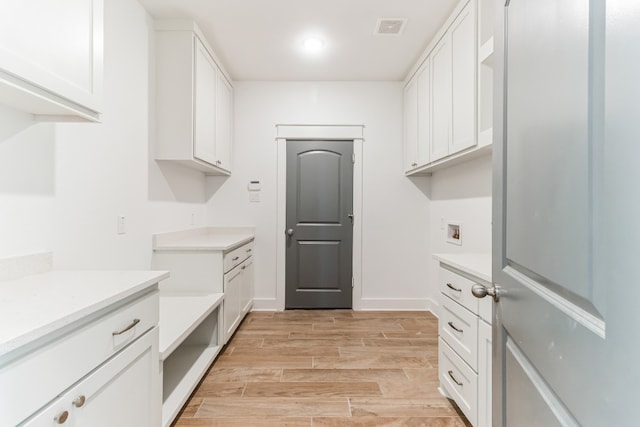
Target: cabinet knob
<point x="78" y="402"/>
<point x="414" y="164"/>
<point x="62" y="417"/>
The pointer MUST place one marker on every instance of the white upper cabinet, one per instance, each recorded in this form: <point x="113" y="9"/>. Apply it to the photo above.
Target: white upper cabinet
<point x="454" y="99"/>
<point x="417" y="118"/>
<point x="441" y="113"/>
<point x="459" y="105"/>
<point x="410" y="116"/>
<point x="204" y="144"/>
<point x="51" y="55"/>
<point x="194" y="115"/>
<point x="463" y="72"/>
<point x="224" y="122"/>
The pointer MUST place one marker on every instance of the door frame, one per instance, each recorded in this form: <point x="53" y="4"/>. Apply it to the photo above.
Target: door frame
<point x="325" y="132"/>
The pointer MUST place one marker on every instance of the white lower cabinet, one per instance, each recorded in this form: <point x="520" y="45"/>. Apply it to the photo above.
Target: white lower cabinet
<point x="122" y="392"/>
<point x="102" y="370"/>
<point x="238" y="295"/>
<point x="464" y="345"/>
<point x="201" y="305"/>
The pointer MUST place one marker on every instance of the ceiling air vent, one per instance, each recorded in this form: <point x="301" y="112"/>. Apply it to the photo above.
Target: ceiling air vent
<point x="390" y="26"/>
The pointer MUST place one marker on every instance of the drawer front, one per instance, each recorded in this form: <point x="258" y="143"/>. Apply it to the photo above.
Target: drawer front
<point x="460" y="382"/>
<point x="236" y="256"/>
<point x="459" y="328"/>
<point x="458" y="288"/>
<point x="57" y="365"/>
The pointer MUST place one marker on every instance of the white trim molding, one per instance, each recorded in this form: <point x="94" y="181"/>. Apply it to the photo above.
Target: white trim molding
<point x="325" y="132"/>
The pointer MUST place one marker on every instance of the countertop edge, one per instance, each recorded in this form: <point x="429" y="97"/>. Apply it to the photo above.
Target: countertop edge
<point x="461" y="262"/>
<point x="38" y="333"/>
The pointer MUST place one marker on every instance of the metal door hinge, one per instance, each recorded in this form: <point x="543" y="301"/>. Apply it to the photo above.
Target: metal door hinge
<point x="353" y="158"/>
<point x="353" y="283"/>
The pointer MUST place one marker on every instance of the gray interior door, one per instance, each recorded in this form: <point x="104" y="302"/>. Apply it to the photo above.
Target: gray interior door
<point x="566" y="208"/>
<point x="319" y="224"/>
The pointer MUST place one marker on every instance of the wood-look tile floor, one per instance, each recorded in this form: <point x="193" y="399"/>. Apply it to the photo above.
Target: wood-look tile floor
<point x="325" y="368"/>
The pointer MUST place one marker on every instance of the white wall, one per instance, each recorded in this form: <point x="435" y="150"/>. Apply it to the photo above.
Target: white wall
<point x="461" y="194"/>
<point x="396" y="214"/>
<point x="63" y="185"/>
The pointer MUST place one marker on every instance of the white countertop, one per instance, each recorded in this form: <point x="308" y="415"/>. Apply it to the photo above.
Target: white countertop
<point x="204" y="239"/>
<point x="478" y="265"/>
<point x="37" y="305"/>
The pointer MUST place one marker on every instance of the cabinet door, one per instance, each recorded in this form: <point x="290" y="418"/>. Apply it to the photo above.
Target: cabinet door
<point x="246" y="296"/>
<point x="231" y="304"/>
<point x="410" y="116"/>
<point x="424" y="112"/>
<point x="463" y="72"/>
<point x="51" y="56"/>
<point x="484" y="374"/>
<point x="125" y="391"/>
<point x="204" y="144"/>
<point x="224" y="122"/>
<point x="441" y="95"/>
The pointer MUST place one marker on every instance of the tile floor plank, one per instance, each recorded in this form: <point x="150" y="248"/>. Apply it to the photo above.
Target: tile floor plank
<point x="325" y="368"/>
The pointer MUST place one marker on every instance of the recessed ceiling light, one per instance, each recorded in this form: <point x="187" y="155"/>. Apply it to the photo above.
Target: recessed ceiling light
<point x="313" y="45"/>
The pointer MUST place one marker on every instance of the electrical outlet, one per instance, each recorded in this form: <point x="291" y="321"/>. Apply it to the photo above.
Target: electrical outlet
<point x="122" y="224"/>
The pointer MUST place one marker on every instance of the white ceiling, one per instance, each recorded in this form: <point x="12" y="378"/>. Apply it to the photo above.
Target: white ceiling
<point x="261" y="39"/>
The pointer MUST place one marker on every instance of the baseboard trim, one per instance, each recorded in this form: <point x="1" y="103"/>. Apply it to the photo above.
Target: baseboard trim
<point x="396" y="304"/>
<point x="367" y="304"/>
<point x="265" y="304"/>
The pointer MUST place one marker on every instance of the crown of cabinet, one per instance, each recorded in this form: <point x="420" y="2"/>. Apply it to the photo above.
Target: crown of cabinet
<point x="194" y="100"/>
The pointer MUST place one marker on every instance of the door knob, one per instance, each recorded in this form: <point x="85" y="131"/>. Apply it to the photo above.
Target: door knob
<point x="481" y="291"/>
<point x="289" y="232"/>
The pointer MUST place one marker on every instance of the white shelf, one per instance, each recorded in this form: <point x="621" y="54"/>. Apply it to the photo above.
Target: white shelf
<point x="181" y="374"/>
<point x="180" y="315"/>
<point x="485" y="53"/>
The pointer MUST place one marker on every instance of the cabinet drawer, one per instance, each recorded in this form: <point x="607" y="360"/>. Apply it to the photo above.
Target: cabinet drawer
<point x="458" y="288"/>
<point x="459" y="328"/>
<point x="460" y="382"/>
<point x="236" y="256"/>
<point x="57" y="365"/>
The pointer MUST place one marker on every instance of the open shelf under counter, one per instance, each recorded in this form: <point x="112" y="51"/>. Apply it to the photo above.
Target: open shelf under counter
<point x="190" y="340"/>
<point x="183" y="370"/>
<point x="180" y="315"/>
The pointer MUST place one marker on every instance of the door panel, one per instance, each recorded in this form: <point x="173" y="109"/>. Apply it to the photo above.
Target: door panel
<point x="565" y="164"/>
<point x="319" y="202"/>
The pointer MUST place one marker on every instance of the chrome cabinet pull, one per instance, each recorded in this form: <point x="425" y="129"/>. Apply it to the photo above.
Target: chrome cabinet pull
<point x="134" y="323"/>
<point x="451" y="325"/>
<point x="61" y="418"/>
<point x="78" y="402"/>
<point x="450" y="286"/>
<point x="454" y="379"/>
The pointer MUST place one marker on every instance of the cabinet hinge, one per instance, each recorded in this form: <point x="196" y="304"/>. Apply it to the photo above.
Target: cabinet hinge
<point x="353" y="158"/>
<point x="353" y="283"/>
